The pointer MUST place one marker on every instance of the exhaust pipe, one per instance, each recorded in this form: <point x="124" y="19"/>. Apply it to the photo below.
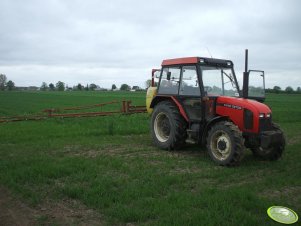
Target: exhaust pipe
<point x="245" y="77"/>
<point x="246" y="61"/>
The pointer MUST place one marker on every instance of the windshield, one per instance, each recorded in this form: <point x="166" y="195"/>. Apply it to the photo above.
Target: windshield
<point x="219" y="81"/>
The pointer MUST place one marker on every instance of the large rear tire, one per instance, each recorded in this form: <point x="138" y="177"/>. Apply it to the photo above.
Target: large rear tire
<point x="168" y="127"/>
<point x="271" y="153"/>
<point x="225" y="144"/>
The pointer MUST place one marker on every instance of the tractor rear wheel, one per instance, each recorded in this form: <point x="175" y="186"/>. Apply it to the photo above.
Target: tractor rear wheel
<point x="225" y="143"/>
<point x="168" y="127"/>
<point x="272" y="153"/>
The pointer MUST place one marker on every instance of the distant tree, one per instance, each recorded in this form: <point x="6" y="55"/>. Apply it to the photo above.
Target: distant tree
<point x="80" y="86"/>
<point x="44" y="86"/>
<point x="114" y="87"/>
<point x="148" y="83"/>
<point x="289" y="89"/>
<point x="125" y="87"/>
<point x="269" y="90"/>
<point x="51" y="87"/>
<point x="92" y="86"/>
<point x="136" y="88"/>
<point x="277" y="89"/>
<point x="299" y="89"/>
<point x="2" y="81"/>
<point x="87" y="87"/>
<point x="216" y="89"/>
<point x="10" y="85"/>
<point x="60" y="86"/>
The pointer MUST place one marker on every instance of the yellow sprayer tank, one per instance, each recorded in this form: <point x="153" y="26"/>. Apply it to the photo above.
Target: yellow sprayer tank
<point x="151" y="93"/>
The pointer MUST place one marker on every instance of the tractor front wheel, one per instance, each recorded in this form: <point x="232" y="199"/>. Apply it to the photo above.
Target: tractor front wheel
<point x="168" y="128"/>
<point x="225" y="143"/>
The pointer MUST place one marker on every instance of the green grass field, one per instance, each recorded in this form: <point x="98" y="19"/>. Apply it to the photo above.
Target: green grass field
<point x="109" y="165"/>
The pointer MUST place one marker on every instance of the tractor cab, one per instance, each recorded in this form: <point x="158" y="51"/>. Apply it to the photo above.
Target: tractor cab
<point x="198" y="100"/>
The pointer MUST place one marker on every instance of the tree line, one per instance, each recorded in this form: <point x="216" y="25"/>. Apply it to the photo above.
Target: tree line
<point x="61" y="86"/>
<point x="4" y="84"/>
<point x="289" y="90"/>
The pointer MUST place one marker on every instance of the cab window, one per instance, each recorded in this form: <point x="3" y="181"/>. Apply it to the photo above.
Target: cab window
<point x="190" y="83"/>
<point x="170" y="80"/>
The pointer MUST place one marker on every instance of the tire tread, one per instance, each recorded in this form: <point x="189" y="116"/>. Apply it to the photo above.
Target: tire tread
<point x="238" y="139"/>
<point x="179" y="136"/>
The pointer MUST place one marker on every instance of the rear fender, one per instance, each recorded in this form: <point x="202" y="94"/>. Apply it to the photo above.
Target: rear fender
<point x="210" y="124"/>
<point x="159" y="99"/>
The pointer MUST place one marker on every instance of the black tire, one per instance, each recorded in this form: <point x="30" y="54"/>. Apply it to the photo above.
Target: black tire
<point x="272" y="153"/>
<point x="168" y="127"/>
<point x="225" y="144"/>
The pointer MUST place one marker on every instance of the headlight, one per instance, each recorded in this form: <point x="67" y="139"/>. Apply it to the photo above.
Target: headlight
<point x="261" y="115"/>
<point x="268" y="115"/>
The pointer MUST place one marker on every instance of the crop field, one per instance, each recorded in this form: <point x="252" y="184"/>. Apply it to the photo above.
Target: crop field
<point x="106" y="171"/>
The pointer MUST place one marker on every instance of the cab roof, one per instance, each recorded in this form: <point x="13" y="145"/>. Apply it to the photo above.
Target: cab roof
<point x="185" y="60"/>
<point x="195" y="60"/>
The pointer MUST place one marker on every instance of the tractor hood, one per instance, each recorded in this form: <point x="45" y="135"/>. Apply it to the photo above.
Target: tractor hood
<point x="245" y="113"/>
<point x="241" y="103"/>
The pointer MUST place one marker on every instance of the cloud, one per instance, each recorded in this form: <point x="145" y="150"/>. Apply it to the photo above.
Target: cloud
<point x="119" y="42"/>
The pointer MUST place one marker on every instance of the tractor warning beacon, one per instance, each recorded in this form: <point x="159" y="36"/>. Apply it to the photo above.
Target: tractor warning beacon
<point x="198" y="100"/>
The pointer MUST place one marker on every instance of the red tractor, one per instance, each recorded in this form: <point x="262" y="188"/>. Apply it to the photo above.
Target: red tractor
<point x="198" y="100"/>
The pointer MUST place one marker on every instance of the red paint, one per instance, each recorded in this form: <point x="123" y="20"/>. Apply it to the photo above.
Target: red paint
<point x="237" y="115"/>
<point x="183" y="113"/>
<point x="186" y="60"/>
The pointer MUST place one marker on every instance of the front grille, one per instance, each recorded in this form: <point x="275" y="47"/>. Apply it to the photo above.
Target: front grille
<point x="248" y="119"/>
<point x="265" y="124"/>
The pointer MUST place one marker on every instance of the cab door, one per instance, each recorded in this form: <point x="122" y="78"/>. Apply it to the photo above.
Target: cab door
<point x="256" y="85"/>
<point x="190" y="92"/>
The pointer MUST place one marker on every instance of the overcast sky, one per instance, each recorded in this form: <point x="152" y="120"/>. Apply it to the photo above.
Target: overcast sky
<point x="115" y="42"/>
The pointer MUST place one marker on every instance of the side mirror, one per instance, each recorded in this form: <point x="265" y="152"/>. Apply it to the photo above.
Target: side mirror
<point x="168" y="75"/>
